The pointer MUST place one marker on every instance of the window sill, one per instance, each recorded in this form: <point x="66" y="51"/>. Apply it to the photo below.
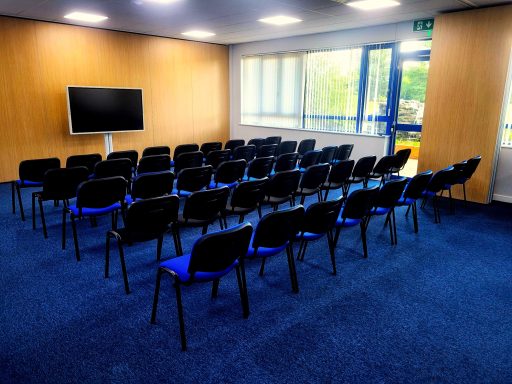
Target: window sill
<point x="314" y="130"/>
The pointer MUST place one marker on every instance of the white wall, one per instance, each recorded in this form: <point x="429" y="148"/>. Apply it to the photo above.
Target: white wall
<point x="503" y="181"/>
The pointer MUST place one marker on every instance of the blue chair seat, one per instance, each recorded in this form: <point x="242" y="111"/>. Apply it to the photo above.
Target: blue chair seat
<point x="181" y="192"/>
<point x="379" y="211"/>
<point x="28" y="183"/>
<point x="264" y="251"/>
<point x="428" y="193"/>
<point x="309" y="236"/>
<point x="213" y="185"/>
<point x="94" y="211"/>
<point x="408" y="201"/>
<point x="179" y="265"/>
<point x="348" y="222"/>
<point x="172" y="163"/>
<point x="245" y="178"/>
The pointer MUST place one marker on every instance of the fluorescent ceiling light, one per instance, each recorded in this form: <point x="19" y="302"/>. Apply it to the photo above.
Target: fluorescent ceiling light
<point x="198" y="34"/>
<point x="280" y="20"/>
<point x="160" y="1"/>
<point x="370" y="5"/>
<point x="82" y="16"/>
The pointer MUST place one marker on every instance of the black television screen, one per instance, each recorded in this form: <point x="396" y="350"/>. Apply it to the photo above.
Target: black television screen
<point x="104" y="110"/>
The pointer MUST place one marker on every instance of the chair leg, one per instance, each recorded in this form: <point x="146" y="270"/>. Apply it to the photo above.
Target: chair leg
<point x="262" y="267"/>
<point x="20" y="202"/>
<point x="319" y="195"/>
<point x="180" y="315"/>
<point x="240" y="220"/>
<point x="107" y="256"/>
<point x="259" y="211"/>
<point x="123" y="266"/>
<point x="299" y="254"/>
<point x="326" y="194"/>
<point x="243" y="292"/>
<point x="205" y="229"/>
<point x="43" y="220"/>
<point x="330" y="243"/>
<point x="155" y="297"/>
<point x="388" y="218"/>
<point x="33" y="210"/>
<point x="75" y="237"/>
<point x="159" y="247"/>
<point x="415" y="216"/>
<point x="394" y="225"/>
<point x="177" y="239"/>
<point x="407" y="212"/>
<point x="215" y="288"/>
<point x="221" y="223"/>
<point x="13" y="200"/>
<point x="293" y="271"/>
<point x="64" y="228"/>
<point x="363" y="238"/>
<point x="336" y="236"/>
<point x="463" y="190"/>
<point x="302" y="199"/>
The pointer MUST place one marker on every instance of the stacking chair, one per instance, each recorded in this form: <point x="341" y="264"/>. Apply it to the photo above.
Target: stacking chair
<point x="114" y="167"/>
<point x="157" y="150"/>
<point x="362" y="169"/>
<point x="31" y="173"/>
<point x="149" y="185"/>
<point x="212" y="257"/>
<point x="229" y="174"/>
<point x="467" y="168"/>
<point x="343" y="153"/>
<point x="383" y="168"/>
<point x="285" y="162"/>
<point x="193" y="180"/>
<point x="246" y="152"/>
<point x="306" y="145"/>
<point x="286" y="147"/>
<point x="401" y="158"/>
<point x="206" y="148"/>
<point x="145" y="220"/>
<point x="154" y="163"/>
<point x="259" y="168"/>
<point x="95" y="198"/>
<point x="385" y="203"/>
<point x="414" y="191"/>
<point x="273" y="140"/>
<point x="328" y="154"/>
<point x="188" y="160"/>
<point x="438" y="184"/>
<point x="130" y="154"/>
<point x="234" y="143"/>
<point x="88" y="160"/>
<point x="319" y="220"/>
<point x="309" y="158"/>
<point x="246" y="197"/>
<point x="184" y="148"/>
<point x="355" y="211"/>
<point x="58" y="184"/>
<point x="274" y="234"/>
<point x="215" y="158"/>
<point x="338" y="177"/>
<point x="267" y="150"/>
<point x="282" y="187"/>
<point x="203" y="208"/>
<point x="311" y="181"/>
<point x="257" y="142"/>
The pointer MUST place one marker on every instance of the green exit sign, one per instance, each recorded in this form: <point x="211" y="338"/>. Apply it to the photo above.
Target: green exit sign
<point x="423" y="25"/>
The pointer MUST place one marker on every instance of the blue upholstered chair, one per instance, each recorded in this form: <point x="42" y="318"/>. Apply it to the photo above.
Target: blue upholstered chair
<point x="229" y="174"/>
<point x="156" y="150"/>
<point x="338" y="177"/>
<point x="439" y="183"/>
<point x="413" y="191"/>
<point x="193" y="180"/>
<point x="184" y="148"/>
<point x="151" y="184"/>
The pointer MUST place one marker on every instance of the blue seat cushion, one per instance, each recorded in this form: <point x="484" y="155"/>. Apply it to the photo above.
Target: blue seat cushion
<point x="213" y="184"/>
<point x="245" y="178"/>
<point x="428" y="193"/>
<point x="264" y="251"/>
<point x="407" y="201"/>
<point x="180" y="264"/>
<point x="309" y="236"/>
<point x="172" y="163"/>
<point x="181" y="192"/>
<point x="380" y="211"/>
<point x="348" y="222"/>
<point x="94" y="211"/>
<point x="28" y="183"/>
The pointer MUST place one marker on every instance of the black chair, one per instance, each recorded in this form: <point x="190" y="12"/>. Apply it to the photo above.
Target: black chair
<point x="88" y="161"/>
<point x="310" y="158"/>
<point x="215" y="158"/>
<point x="311" y="181"/>
<point x="188" y="160"/>
<point x="385" y="204"/>
<point x="206" y="148"/>
<point x="319" y="220"/>
<point x="281" y="188"/>
<point x="285" y="162"/>
<point x="328" y="154"/>
<point x="438" y="184"/>
<point x="259" y="168"/>
<point x="401" y="158"/>
<point x="467" y="168"/>
<point x="229" y="174"/>
<point x="267" y="150"/>
<point x="246" y="152"/>
<point x="59" y="184"/>
<point x="286" y="147"/>
<point x="149" y="185"/>
<point x="343" y="153"/>
<point x="362" y="170"/>
<point x="157" y="150"/>
<point x="184" y="148"/>
<point x="274" y="234"/>
<point x="31" y="173"/>
<point x="306" y="145"/>
<point x="338" y="177"/>
<point x="234" y="143"/>
<point x="212" y="257"/>
<point x="413" y="191"/>
<point x="246" y="197"/>
<point x="257" y="142"/>
<point x="355" y="211"/>
<point x="154" y="163"/>
<point x="193" y="180"/>
<point x="95" y="198"/>
<point x="114" y="167"/>
<point x="273" y="140"/>
<point x="383" y="168"/>
<point x="203" y="208"/>
<point x="145" y="220"/>
<point x="130" y="154"/>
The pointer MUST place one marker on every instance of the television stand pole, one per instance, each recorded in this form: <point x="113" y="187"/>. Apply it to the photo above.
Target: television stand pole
<point x="109" y="147"/>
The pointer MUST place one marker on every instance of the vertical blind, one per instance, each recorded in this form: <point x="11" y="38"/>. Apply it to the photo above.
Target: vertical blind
<point x="507" y="131"/>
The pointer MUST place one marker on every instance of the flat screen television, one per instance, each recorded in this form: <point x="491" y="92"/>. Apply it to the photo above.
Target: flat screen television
<point x="104" y="110"/>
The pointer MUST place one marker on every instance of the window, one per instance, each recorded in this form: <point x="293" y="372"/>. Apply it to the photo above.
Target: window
<point x="507" y="131"/>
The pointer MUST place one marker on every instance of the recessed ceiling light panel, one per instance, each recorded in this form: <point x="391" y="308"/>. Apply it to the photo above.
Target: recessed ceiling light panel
<point x="198" y="34"/>
<point x="280" y="20"/>
<point x="370" y="5"/>
<point x="87" y="17"/>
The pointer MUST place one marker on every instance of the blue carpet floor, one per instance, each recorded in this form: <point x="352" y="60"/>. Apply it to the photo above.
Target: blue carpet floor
<point x="435" y="308"/>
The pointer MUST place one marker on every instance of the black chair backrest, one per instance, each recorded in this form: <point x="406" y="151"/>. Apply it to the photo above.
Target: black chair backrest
<point x="130" y="154"/>
<point x="328" y="154"/>
<point x="390" y="193"/>
<point x="385" y="164"/>
<point x="364" y="166"/>
<point x="154" y="184"/>
<point x="286" y="147"/>
<point x="273" y="140"/>
<point x="188" y="160"/>
<point x="471" y="166"/>
<point x="150" y="218"/>
<point x="154" y="163"/>
<point x="88" y="161"/>
<point x="157" y="150"/>
<point x="260" y="167"/>
<point x="275" y="229"/>
<point x="344" y="151"/>
<point x="310" y="158"/>
<point x="283" y="183"/>
<point x="184" y="148"/>
<point x="440" y="179"/>
<point x="62" y="183"/>
<point x="257" y="142"/>
<point x="267" y="150"/>
<point x="230" y="171"/>
<point x="34" y="170"/>
<point x="246" y="152"/>
<point x="306" y="145"/>
<point x="401" y="158"/>
<point x="314" y="176"/>
<point x="100" y="193"/>
<point x="341" y="171"/>
<point x="205" y="205"/>
<point x="234" y="143"/>
<point x="113" y="167"/>
<point x="249" y="194"/>
<point x="417" y="185"/>
<point x="321" y="217"/>
<point x="214" y="158"/>
<point x="359" y="203"/>
<point x="217" y="251"/>
<point x="286" y="161"/>
<point x="194" y="179"/>
<point x="206" y="148"/>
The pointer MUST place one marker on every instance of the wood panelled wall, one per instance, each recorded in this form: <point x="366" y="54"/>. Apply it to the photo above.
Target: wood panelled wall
<point x="465" y="90"/>
<point x="185" y="85"/>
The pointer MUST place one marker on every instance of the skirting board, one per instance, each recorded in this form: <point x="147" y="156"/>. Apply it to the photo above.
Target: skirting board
<point x="503" y="198"/>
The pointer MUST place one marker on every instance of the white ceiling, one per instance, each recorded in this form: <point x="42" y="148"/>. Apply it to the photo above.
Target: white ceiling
<point x="233" y="21"/>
